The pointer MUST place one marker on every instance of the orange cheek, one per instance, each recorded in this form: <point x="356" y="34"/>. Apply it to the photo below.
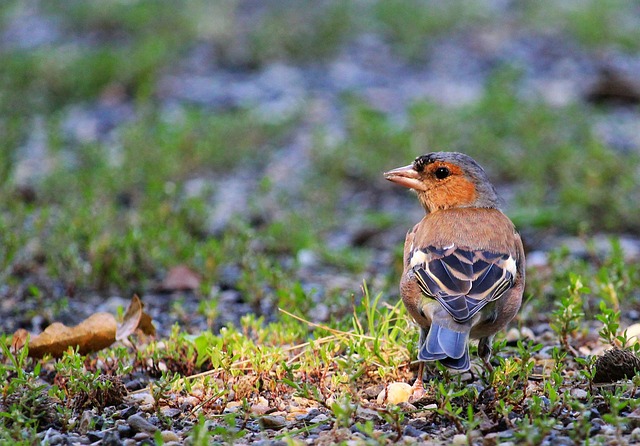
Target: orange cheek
<point x="454" y="193"/>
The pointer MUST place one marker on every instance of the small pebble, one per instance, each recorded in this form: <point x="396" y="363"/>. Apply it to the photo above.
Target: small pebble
<point x="141" y="436"/>
<point x="411" y="431"/>
<point x="373" y="391"/>
<point x="171" y="412"/>
<point x="524" y="333"/>
<point x="141" y="400"/>
<point x="579" y="393"/>
<point x="124" y="431"/>
<point x="275" y="422"/>
<point x="367" y="414"/>
<point x="139" y="424"/>
<point x="269" y="443"/>
<point x="134" y="384"/>
<point x="635" y="434"/>
<point x="233" y="406"/>
<point x="490" y="439"/>
<point x="259" y="409"/>
<point x="312" y="414"/>
<point x="57" y="439"/>
<point x="94" y="436"/>
<point x="126" y="413"/>
<point x="394" y="393"/>
<point x="319" y="419"/>
<point x="111" y="438"/>
<point x="407" y="407"/>
<point x="168" y="436"/>
<point x="189" y="403"/>
<point x="459" y="440"/>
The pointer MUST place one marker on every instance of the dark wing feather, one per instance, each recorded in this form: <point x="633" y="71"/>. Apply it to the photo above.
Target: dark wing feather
<point x="462" y="280"/>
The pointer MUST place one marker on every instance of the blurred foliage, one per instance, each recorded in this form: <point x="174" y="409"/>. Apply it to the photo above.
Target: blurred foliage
<point x="114" y="214"/>
<point x="111" y="215"/>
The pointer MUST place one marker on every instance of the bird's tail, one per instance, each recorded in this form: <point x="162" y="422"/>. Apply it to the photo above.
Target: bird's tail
<point x="449" y="347"/>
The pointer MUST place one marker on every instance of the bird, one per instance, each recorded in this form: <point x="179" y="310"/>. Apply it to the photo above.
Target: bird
<point x="464" y="262"/>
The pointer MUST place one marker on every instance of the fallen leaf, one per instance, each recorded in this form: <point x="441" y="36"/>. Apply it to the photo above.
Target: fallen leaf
<point x="130" y="320"/>
<point x="180" y="278"/>
<point x="19" y="339"/>
<point x="134" y="319"/>
<point x="146" y="325"/>
<point x="96" y="332"/>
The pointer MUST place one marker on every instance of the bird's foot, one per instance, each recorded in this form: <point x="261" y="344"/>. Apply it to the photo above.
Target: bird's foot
<point x="417" y="391"/>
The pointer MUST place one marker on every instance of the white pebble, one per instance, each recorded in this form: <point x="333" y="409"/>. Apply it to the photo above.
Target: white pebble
<point x="395" y="393"/>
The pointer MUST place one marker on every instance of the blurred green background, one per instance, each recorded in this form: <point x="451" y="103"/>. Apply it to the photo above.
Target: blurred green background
<point x="246" y="139"/>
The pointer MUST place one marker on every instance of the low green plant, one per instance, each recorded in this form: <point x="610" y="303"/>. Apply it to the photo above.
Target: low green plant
<point x="200" y="434"/>
<point x="344" y="410"/>
<point x="569" y="315"/>
<point x="27" y="405"/>
<point x="452" y="399"/>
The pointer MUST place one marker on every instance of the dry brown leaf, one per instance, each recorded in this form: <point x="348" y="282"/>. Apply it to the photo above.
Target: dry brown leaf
<point x="130" y="320"/>
<point x="19" y="339"/>
<point x="135" y="319"/>
<point x="181" y="278"/>
<point x="146" y="325"/>
<point x="96" y="332"/>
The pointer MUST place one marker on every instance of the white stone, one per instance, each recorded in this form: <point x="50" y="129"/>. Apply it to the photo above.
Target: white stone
<point x="395" y="393"/>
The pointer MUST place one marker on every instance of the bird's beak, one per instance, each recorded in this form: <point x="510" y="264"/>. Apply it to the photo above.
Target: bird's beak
<point x="406" y="176"/>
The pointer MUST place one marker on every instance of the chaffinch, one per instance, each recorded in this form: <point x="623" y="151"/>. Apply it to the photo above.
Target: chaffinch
<point x="463" y="262"/>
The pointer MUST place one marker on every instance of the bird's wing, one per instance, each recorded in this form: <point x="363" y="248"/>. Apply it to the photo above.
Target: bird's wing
<point x="462" y="280"/>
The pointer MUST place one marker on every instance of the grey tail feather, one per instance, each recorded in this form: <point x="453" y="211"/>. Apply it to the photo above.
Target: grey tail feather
<point x="463" y="363"/>
<point x="447" y="346"/>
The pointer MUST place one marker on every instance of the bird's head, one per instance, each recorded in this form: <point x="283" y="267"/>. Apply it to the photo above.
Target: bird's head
<point x="445" y="180"/>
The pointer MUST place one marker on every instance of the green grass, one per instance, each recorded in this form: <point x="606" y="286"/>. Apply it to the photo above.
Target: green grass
<point x="564" y="176"/>
<point x="101" y="223"/>
<point x="301" y="30"/>
<point x="411" y="26"/>
<point x="329" y="370"/>
<point x="112" y="218"/>
<point x="594" y="24"/>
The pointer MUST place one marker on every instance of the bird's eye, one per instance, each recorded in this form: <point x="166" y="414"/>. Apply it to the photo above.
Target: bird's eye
<point x="442" y="173"/>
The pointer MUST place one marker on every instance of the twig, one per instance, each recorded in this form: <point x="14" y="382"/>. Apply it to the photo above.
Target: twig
<point x="329" y="329"/>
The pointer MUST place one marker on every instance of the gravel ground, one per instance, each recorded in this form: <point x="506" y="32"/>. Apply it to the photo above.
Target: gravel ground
<point x="553" y="69"/>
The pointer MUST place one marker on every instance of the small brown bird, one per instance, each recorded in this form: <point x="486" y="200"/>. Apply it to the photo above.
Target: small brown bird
<point x="463" y="262"/>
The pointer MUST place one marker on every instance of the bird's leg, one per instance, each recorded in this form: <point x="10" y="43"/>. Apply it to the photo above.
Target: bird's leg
<point x="484" y="352"/>
<point x="417" y="390"/>
<point x="418" y="386"/>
